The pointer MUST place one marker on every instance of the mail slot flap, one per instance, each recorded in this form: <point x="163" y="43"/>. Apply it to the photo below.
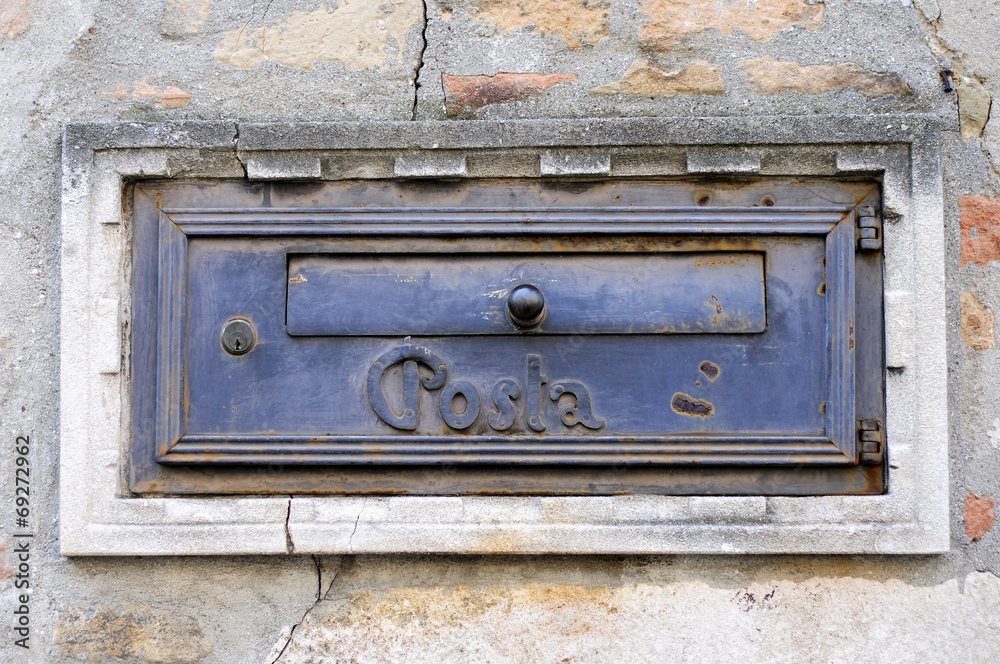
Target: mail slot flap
<point x="579" y="293"/>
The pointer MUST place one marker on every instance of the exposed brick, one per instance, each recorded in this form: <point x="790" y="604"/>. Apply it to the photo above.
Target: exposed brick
<point x="168" y="97"/>
<point x="979" y="219"/>
<point x="576" y="22"/>
<point x="760" y="20"/>
<point x="977" y="322"/>
<point x="696" y="78"/>
<point x="979" y="516"/>
<point x="467" y="92"/>
<point x="771" y="77"/>
<point x="14" y="17"/>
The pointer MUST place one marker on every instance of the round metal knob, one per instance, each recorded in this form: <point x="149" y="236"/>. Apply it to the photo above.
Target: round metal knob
<point x="238" y="336"/>
<point x="525" y="306"/>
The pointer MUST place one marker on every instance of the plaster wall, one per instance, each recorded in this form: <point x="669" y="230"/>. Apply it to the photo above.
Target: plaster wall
<point x="404" y="60"/>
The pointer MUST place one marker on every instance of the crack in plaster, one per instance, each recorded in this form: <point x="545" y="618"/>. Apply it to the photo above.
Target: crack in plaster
<point x="319" y="598"/>
<point x="949" y="58"/>
<point x="289" y="544"/>
<point x="350" y="540"/>
<point x="420" y="64"/>
<point x="253" y="13"/>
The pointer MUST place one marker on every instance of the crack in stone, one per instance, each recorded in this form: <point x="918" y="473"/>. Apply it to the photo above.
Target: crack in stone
<point x="236" y="149"/>
<point x="289" y="544"/>
<point x="319" y="598"/>
<point x="420" y="64"/>
<point x="350" y="540"/>
<point x="988" y="571"/>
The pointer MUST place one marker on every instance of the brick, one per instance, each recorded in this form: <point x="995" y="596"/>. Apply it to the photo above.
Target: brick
<point x="470" y="92"/>
<point x="979" y="516"/>
<point x="771" y="77"/>
<point x="696" y="78"/>
<point x="979" y="219"/>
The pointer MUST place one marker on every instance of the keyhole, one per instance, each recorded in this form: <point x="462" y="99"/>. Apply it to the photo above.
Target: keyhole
<point x="238" y="336"/>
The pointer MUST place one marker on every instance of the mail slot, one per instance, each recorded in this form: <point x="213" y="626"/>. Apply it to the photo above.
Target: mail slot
<point x="579" y="293"/>
<point x="534" y="337"/>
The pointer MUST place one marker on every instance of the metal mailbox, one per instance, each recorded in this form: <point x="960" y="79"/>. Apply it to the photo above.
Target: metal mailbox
<point x="535" y="337"/>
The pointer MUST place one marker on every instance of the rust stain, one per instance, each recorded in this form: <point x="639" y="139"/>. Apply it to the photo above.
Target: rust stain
<point x="297" y="279"/>
<point x="710" y="369"/>
<point x="575" y="22"/>
<point x="977" y="322"/>
<point x="14" y="17"/>
<point x="761" y="20"/>
<point x="168" y="97"/>
<point x="696" y="78"/>
<point x="822" y="407"/>
<point x="979" y="220"/>
<point x="717" y="304"/>
<point x="685" y="404"/>
<point x="822" y="289"/>
<point x="772" y="77"/>
<point x="468" y="92"/>
<point x="979" y="516"/>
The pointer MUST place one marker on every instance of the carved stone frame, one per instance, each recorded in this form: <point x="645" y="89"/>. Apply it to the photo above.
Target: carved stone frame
<point x="98" y="516"/>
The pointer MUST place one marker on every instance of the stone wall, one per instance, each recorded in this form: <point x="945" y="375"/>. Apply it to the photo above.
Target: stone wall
<point x="164" y="60"/>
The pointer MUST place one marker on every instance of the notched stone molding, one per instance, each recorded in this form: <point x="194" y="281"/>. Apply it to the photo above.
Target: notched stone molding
<point x="99" y="517"/>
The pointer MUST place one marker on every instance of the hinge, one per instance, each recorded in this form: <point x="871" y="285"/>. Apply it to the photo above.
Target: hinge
<point x="869" y="231"/>
<point x="871" y="440"/>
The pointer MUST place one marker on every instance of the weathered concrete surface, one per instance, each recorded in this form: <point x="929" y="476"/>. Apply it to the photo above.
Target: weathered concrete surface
<point x="644" y="611"/>
<point x="635" y="50"/>
<point x="93" y="61"/>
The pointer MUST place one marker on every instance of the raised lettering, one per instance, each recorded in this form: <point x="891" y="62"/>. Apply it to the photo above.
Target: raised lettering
<point x="410" y="355"/>
<point x="533" y="388"/>
<point x="581" y="410"/>
<point x="504" y="394"/>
